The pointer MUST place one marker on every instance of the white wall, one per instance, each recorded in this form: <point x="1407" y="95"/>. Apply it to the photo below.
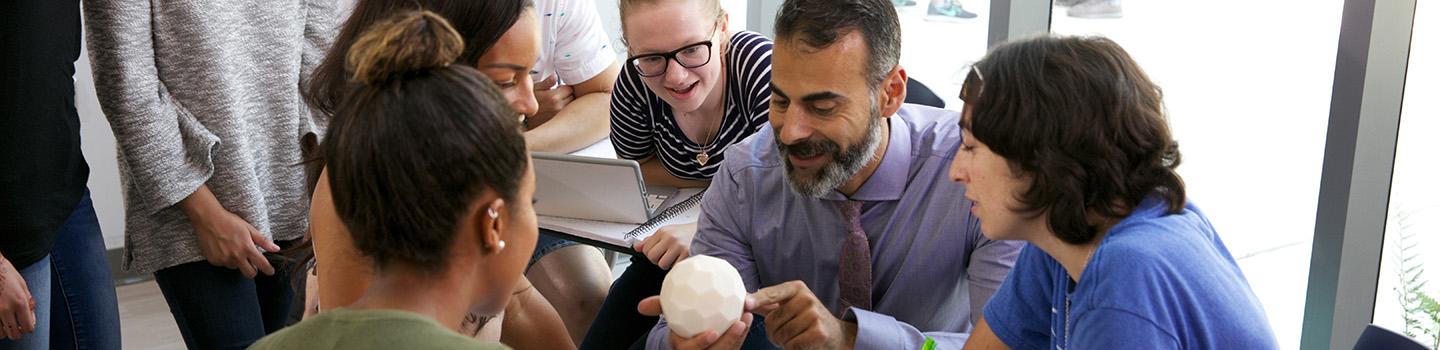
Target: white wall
<point x="610" y="15"/>
<point x="98" y="144"/>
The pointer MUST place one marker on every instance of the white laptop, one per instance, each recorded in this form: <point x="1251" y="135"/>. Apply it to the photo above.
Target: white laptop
<point x="594" y="189"/>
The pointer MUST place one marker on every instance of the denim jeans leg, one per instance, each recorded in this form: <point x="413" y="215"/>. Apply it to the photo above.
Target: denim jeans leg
<point x="37" y="279"/>
<point x="214" y="307"/>
<point x="618" y="324"/>
<point x="84" y="311"/>
<point x="277" y="292"/>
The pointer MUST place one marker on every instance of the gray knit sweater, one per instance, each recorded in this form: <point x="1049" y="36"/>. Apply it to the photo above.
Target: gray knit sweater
<point x="207" y="92"/>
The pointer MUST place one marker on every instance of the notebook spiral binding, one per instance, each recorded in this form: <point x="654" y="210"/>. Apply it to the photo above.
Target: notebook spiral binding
<point x="664" y="216"/>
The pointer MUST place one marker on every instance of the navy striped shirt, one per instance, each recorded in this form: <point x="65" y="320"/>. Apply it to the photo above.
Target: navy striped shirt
<point x="642" y="125"/>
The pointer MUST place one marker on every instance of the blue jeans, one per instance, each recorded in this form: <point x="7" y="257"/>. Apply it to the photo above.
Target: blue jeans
<point x="84" y="313"/>
<point x="37" y="280"/>
<point x="547" y="243"/>
<point x="218" y="308"/>
<point x="618" y="325"/>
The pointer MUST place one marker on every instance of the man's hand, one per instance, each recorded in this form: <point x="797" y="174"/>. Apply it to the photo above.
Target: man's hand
<point x="17" y="307"/>
<point x="226" y="240"/>
<point x="668" y="245"/>
<point x="732" y="339"/>
<point x="552" y="97"/>
<point x="796" y="319"/>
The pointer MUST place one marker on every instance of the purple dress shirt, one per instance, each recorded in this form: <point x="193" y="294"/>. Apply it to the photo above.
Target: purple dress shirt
<point x="932" y="269"/>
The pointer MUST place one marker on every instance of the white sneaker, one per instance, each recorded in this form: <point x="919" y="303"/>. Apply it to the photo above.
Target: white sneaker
<point x="1096" y="9"/>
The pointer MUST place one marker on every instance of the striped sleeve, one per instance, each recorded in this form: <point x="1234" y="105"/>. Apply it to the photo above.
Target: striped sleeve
<point x="631" y="124"/>
<point x="753" y="50"/>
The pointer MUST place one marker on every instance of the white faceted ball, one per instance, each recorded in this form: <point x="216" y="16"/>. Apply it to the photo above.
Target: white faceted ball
<point x="702" y="293"/>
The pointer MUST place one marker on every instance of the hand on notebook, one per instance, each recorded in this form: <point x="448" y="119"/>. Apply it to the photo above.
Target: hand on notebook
<point x="668" y="245"/>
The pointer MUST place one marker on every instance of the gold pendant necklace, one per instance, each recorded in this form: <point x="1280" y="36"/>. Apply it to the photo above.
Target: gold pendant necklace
<point x="703" y="156"/>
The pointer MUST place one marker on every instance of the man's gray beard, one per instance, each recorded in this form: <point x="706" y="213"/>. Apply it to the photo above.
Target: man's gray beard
<point x="842" y="166"/>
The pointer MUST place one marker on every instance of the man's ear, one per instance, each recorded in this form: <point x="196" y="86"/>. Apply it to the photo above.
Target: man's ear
<point x="893" y="91"/>
<point x="491" y="226"/>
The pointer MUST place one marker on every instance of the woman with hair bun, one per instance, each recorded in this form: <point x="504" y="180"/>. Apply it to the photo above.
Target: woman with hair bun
<point x="430" y="173"/>
<point x="501" y="41"/>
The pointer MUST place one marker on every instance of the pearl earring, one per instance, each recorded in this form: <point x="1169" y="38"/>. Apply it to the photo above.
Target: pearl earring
<point x="500" y="245"/>
<point x="493" y="214"/>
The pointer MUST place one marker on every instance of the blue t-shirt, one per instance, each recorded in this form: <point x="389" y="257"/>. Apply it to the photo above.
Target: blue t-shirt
<point x="1157" y="281"/>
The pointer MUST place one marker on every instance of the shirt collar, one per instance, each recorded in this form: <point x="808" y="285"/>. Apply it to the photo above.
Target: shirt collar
<point x="888" y="181"/>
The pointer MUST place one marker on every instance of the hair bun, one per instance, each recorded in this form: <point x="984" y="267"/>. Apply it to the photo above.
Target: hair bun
<point x="408" y="42"/>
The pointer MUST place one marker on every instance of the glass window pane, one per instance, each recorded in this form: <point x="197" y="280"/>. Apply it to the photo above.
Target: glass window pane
<point x="940" y="38"/>
<point x="1409" y="266"/>
<point x="1247" y="85"/>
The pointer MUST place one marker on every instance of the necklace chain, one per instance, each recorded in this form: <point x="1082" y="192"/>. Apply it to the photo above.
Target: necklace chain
<point x="704" y="155"/>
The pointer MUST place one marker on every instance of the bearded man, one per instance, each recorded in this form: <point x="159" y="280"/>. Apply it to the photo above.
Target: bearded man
<point x="840" y="216"/>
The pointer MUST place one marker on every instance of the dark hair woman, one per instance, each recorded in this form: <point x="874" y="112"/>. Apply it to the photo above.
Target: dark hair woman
<point x="482" y="24"/>
<point x="1066" y="146"/>
<point x="502" y="41"/>
<point x="430" y="174"/>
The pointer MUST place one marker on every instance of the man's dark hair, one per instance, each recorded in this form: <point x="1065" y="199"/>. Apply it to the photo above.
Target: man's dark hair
<point x="820" y="23"/>
<point x="416" y="141"/>
<point x="1080" y="117"/>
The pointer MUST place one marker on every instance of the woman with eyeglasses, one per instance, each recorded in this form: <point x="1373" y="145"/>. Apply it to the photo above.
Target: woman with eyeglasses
<point x="690" y="88"/>
<point x="1066" y="146"/>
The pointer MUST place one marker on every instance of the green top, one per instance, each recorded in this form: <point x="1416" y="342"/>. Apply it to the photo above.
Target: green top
<point x="370" y="329"/>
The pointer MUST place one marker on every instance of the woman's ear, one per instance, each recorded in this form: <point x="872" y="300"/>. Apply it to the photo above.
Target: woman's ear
<point x="724" y="29"/>
<point x="725" y="21"/>
<point x="894" y="91"/>
<point x="492" y="227"/>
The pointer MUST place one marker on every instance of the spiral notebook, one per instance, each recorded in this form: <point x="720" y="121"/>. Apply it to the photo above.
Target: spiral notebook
<point x="683" y="207"/>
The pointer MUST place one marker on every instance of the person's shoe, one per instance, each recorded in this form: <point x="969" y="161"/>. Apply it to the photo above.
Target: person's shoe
<point x="899" y="3"/>
<point x="1066" y="3"/>
<point x="948" y="13"/>
<point x="1096" y="9"/>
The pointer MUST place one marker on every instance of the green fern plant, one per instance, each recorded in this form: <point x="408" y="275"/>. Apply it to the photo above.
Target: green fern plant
<point x="1422" y="311"/>
<point x="1431" y="310"/>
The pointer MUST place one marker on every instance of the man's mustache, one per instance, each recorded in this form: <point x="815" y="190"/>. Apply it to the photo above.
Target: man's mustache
<point x="808" y="148"/>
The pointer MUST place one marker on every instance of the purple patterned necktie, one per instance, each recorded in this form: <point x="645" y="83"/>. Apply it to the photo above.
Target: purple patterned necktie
<point x="854" y="260"/>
